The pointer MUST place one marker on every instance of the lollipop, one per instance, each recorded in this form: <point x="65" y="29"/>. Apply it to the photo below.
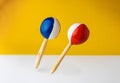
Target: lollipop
<point x="49" y="29"/>
<point x="77" y="34"/>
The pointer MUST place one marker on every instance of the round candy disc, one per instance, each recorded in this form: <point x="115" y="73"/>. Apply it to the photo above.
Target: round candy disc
<point x="78" y="33"/>
<point x="50" y="28"/>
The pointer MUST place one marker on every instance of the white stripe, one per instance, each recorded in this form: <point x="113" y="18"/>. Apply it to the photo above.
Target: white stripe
<point x="71" y="30"/>
<point x="55" y="30"/>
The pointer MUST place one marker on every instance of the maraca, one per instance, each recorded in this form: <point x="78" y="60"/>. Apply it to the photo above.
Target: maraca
<point x="49" y="29"/>
<point x="77" y="34"/>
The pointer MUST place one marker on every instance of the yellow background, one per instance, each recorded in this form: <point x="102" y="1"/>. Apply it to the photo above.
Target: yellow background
<point x="20" y="21"/>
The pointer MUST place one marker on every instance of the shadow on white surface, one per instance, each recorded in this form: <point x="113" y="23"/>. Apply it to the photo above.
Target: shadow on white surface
<point x="77" y="69"/>
<point x="66" y="67"/>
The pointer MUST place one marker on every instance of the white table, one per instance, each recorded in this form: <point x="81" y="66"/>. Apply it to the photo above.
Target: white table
<point x="73" y="69"/>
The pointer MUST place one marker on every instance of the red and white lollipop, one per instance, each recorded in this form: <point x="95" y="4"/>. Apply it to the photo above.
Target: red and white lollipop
<point x="78" y="33"/>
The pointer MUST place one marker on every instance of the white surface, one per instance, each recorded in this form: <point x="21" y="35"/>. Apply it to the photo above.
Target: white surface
<point x="71" y="30"/>
<point x="82" y="69"/>
<point x="55" y="30"/>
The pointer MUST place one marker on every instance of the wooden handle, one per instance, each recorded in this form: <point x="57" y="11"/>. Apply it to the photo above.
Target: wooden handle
<point x="40" y="53"/>
<point x="61" y="58"/>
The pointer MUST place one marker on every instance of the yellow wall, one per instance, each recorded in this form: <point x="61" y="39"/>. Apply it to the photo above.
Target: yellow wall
<point x="20" y="21"/>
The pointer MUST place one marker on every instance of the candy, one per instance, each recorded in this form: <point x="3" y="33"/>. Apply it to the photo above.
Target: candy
<point x="49" y="29"/>
<point x="77" y="34"/>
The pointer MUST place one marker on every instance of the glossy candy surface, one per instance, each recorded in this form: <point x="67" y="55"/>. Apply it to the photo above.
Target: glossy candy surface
<point x="50" y="28"/>
<point x="78" y="33"/>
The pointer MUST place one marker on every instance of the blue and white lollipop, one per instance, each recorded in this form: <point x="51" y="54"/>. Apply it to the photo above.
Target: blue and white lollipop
<point x="49" y="29"/>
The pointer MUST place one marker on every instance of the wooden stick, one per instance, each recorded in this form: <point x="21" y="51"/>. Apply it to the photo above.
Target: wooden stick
<point x="61" y="58"/>
<point x="40" y="53"/>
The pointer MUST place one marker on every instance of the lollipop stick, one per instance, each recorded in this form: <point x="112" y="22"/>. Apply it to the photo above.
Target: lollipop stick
<point x="40" y="53"/>
<point x="61" y="58"/>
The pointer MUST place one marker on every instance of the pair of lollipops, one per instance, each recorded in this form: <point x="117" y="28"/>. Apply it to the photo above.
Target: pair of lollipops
<point x="50" y="28"/>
